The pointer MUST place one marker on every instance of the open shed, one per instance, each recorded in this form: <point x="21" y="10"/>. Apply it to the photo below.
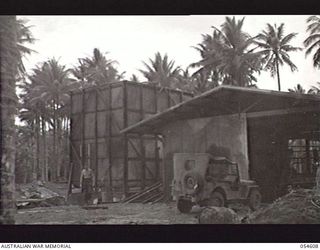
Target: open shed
<point x="273" y="136"/>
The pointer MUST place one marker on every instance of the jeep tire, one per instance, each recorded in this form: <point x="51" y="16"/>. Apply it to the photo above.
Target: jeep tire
<point x="216" y="199"/>
<point x="254" y="199"/>
<point x="184" y="205"/>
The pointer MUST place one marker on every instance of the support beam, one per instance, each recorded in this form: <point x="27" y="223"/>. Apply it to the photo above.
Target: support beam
<point x="283" y="112"/>
<point x="156" y="99"/>
<point x="96" y="141"/>
<point x="125" y="124"/>
<point x="157" y="159"/>
<point x="83" y="130"/>
<point x="142" y="149"/>
<point x="109" y="132"/>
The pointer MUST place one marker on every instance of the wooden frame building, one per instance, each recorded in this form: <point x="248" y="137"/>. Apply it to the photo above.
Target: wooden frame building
<point x="122" y="163"/>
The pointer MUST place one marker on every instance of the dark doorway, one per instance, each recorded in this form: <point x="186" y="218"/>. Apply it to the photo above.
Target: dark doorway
<point x="272" y="140"/>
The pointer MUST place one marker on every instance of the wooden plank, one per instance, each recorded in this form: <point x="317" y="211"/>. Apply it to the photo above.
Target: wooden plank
<point x="181" y="97"/>
<point x="125" y="121"/>
<point x="283" y="112"/>
<point x="83" y="130"/>
<point x="109" y="147"/>
<point x="143" y="163"/>
<point x="96" y="141"/>
<point x="149" y="189"/>
<point x="157" y="162"/>
<point x="156" y="99"/>
<point x="168" y="98"/>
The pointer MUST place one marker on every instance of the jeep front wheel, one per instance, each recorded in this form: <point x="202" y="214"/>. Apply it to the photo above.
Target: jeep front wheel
<point x="216" y="199"/>
<point x="184" y="206"/>
<point x="254" y="199"/>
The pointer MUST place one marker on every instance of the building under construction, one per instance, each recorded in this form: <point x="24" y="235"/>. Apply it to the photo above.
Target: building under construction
<point x="128" y="132"/>
<point x="123" y="164"/>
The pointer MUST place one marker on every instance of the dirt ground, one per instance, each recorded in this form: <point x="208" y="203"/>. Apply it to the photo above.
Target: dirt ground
<point x="295" y="207"/>
<point x="117" y="213"/>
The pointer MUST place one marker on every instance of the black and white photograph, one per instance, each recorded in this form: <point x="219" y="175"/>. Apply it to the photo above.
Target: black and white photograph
<point x="160" y="120"/>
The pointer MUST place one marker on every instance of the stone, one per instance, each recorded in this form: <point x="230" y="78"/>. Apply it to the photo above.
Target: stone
<point x="218" y="215"/>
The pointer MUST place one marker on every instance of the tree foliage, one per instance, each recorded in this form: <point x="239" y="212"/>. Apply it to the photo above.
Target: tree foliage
<point x="275" y="48"/>
<point x="312" y="42"/>
<point x="161" y="71"/>
<point x="96" y="70"/>
<point x="228" y="53"/>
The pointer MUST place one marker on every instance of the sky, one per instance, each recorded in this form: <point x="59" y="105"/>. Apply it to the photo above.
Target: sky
<point x="132" y="39"/>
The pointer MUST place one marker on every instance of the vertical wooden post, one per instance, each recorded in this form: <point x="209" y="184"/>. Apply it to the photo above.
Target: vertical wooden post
<point x="155" y="99"/>
<point x="71" y="165"/>
<point x="168" y="95"/>
<point x="157" y="157"/>
<point x="109" y="148"/>
<point x="96" y="140"/>
<point x="308" y="159"/>
<point x="157" y="165"/>
<point x="142" y="149"/>
<point x="83" y="130"/>
<point x="125" y="124"/>
<point x="181" y="96"/>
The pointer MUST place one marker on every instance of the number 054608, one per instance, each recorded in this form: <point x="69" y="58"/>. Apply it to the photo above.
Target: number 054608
<point x="308" y="245"/>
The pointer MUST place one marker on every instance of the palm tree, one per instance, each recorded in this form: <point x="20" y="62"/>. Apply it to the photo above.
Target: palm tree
<point x="197" y="83"/>
<point x="275" y="47"/>
<point x="313" y="41"/>
<point x="80" y="73"/>
<point x="315" y="90"/>
<point x="134" y="78"/>
<point x="161" y="71"/>
<point x="297" y="89"/>
<point x="12" y="37"/>
<point x="34" y="111"/>
<point x="228" y="52"/>
<point x="96" y="70"/>
<point x="52" y="86"/>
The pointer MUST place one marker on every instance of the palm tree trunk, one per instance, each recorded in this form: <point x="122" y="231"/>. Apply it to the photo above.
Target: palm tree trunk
<point x="59" y="148"/>
<point x="37" y="147"/>
<point x="44" y="154"/>
<point x="9" y="56"/>
<point x="54" y="142"/>
<point x="278" y="76"/>
<point x="34" y="151"/>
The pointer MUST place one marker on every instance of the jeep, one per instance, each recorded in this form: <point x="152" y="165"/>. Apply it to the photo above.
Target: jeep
<point x="200" y="178"/>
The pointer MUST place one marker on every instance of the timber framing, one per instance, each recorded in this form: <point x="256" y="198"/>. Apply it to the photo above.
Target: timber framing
<point x="98" y="114"/>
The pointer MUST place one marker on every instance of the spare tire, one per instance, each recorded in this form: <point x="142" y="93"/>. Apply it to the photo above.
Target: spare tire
<point x="184" y="205"/>
<point x="193" y="182"/>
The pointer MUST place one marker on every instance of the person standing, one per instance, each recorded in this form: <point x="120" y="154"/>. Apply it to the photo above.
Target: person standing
<point x="87" y="182"/>
<point x="318" y="181"/>
<point x="316" y="165"/>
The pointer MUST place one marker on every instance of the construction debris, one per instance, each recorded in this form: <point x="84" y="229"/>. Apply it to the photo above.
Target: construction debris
<point x="150" y="194"/>
<point x="294" y="208"/>
<point x="35" y="194"/>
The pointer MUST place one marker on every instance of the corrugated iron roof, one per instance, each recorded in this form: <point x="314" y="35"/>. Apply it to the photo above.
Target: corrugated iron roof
<point x="225" y="100"/>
